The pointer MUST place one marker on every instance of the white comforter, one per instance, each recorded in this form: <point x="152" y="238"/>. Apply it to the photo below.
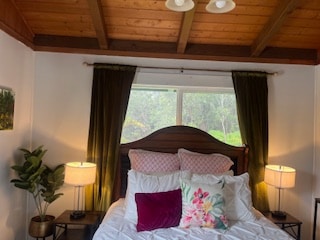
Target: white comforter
<point x="115" y="227"/>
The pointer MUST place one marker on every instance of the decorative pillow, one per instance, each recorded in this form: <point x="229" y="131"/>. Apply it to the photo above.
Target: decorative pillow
<point x="237" y="194"/>
<point x="151" y="162"/>
<point x="202" y="205"/>
<point x="142" y="183"/>
<point x="204" y="163"/>
<point x="158" y="210"/>
<point x="228" y="173"/>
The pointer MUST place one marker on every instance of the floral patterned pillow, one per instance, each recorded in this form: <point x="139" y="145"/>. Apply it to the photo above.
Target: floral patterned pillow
<point x="203" y="205"/>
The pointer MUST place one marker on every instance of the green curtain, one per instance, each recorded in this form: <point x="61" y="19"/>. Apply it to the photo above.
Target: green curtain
<point x="110" y="94"/>
<point x="251" y="90"/>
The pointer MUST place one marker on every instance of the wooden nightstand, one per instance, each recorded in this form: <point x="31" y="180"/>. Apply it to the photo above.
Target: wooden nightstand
<point x="80" y="229"/>
<point x="289" y="224"/>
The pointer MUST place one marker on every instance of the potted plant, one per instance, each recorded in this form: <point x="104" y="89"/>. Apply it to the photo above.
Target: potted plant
<point x="42" y="182"/>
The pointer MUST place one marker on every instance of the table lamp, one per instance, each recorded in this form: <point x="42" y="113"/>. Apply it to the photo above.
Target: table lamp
<point x="280" y="177"/>
<point x="79" y="174"/>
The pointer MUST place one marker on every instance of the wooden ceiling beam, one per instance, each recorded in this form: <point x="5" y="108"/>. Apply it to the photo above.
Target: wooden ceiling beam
<point x="168" y="50"/>
<point x="98" y="22"/>
<point x="274" y="24"/>
<point x="185" y="28"/>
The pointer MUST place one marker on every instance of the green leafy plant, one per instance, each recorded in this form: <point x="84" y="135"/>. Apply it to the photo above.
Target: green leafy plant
<point x="38" y="179"/>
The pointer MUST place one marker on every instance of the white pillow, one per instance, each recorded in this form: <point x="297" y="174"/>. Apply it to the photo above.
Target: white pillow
<point x="238" y="200"/>
<point x="142" y="183"/>
<point x="228" y="173"/>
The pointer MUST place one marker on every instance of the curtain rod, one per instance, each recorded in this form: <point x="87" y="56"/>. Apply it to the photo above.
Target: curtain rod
<point x="185" y="69"/>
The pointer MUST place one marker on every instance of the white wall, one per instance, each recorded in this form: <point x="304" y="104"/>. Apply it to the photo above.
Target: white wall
<point x="316" y="169"/>
<point x="62" y="105"/>
<point x="17" y="73"/>
<point x="61" y="114"/>
<point x="291" y="134"/>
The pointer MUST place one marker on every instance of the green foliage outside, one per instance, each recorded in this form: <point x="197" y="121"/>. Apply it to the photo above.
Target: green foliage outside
<point x="214" y="113"/>
<point x="147" y="111"/>
<point x="151" y="109"/>
<point x="6" y="109"/>
<point x="233" y="138"/>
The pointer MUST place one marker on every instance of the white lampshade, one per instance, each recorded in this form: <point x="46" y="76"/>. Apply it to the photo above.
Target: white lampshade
<point x="280" y="176"/>
<point x="220" y="6"/>
<point x="80" y="173"/>
<point x="180" y="5"/>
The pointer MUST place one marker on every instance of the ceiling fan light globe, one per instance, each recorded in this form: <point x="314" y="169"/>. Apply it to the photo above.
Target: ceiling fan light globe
<point x="179" y="5"/>
<point x="179" y="2"/>
<point x="220" y="4"/>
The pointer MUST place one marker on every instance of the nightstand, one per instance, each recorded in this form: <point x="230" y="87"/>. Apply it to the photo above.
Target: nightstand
<point x="80" y="229"/>
<point x="289" y="224"/>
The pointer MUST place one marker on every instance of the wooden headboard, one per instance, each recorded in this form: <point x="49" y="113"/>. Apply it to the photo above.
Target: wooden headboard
<point x="170" y="139"/>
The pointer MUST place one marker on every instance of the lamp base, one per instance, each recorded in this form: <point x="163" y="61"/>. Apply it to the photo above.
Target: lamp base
<point x="279" y="214"/>
<point x="77" y="215"/>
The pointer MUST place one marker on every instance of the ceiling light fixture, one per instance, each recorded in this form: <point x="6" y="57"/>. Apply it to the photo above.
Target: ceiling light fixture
<point x="180" y="5"/>
<point x="220" y="6"/>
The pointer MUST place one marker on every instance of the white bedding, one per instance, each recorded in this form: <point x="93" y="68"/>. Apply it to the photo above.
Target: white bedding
<point x="115" y="227"/>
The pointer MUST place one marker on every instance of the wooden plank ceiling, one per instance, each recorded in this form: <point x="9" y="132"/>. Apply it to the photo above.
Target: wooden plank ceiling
<point x="275" y="31"/>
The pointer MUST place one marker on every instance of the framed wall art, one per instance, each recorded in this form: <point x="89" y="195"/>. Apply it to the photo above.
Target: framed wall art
<point x="6" y="108"/>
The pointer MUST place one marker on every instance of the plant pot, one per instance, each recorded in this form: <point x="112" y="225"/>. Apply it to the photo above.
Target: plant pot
<point x="39" y="229"/>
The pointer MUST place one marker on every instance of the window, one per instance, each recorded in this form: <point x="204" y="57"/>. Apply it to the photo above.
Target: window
<point x="213" y="111"/>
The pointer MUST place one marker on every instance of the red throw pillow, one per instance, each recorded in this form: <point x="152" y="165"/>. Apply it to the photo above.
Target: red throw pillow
<point x="158" y="210"/>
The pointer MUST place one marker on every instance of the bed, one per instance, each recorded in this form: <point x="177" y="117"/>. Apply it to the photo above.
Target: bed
<point x="181" y="183"/>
